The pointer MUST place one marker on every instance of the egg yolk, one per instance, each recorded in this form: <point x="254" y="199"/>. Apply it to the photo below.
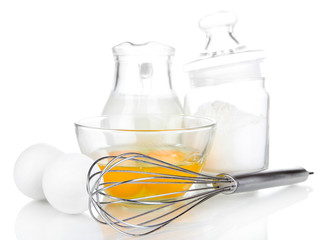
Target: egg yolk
<point x="164" y="186"/>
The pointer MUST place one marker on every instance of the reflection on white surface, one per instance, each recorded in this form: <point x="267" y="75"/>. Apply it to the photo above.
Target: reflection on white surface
<point x="227" y="217"/>
<point x="224" y="217"/>
<point x="38" y="220"/>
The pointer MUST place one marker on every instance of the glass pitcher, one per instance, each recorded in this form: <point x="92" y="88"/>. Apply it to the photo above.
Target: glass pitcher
<point x="142" y="83"/>
<point x="226" y="84"/>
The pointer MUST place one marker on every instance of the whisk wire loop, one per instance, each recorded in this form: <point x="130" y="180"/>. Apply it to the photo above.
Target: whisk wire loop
<point x="142" y="194"/>
<point x="101" y="202"/>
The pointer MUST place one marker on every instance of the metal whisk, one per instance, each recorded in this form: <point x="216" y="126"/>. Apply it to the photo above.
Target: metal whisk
<point x="141" y="194"/>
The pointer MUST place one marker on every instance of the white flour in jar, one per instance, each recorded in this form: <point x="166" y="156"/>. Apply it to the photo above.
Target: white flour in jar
<point x="240" y="141"/>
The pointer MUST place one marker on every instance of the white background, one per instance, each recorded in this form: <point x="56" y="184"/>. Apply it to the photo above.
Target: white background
<point x="56" y="67"/>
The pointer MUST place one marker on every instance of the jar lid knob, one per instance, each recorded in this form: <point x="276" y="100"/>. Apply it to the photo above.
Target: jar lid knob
<point x="218" y="28"/>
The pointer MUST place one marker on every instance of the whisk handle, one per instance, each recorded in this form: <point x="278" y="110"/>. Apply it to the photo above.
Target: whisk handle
<point x="270" y="178"/>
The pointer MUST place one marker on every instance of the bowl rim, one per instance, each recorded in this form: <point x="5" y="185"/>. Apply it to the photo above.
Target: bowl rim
<point x="211" y="123"/>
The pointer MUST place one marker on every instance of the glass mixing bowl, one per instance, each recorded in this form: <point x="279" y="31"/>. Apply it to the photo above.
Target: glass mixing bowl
<point x="180" y="140"/>
<point x="153" y="135"/>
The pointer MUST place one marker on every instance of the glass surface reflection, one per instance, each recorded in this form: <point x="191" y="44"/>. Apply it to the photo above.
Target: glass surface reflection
<point x="38" y="220"/>
<point x="241" y="216"/>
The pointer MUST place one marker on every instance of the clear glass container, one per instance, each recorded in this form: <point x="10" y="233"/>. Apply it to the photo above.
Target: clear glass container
<point x="142" y="83"/>
<point x="226" y="84"/>
<point x="176" y="139"/>
<point x="165" y="134"/>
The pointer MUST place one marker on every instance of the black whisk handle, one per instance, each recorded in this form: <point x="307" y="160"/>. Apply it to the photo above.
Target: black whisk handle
<point x="267" y="179"/>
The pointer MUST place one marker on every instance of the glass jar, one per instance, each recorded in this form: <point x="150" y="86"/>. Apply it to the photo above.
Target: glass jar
<point x="142" y="83"/>
<point x="226" y="84"/>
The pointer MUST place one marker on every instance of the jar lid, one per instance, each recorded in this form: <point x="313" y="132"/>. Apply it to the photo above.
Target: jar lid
<point x="222" y="48"/>
<point x="148" y="48"/>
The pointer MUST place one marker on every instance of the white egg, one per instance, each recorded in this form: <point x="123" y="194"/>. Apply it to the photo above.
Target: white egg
<point x="29" y="168"/>
<point x="64" y="183"/>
